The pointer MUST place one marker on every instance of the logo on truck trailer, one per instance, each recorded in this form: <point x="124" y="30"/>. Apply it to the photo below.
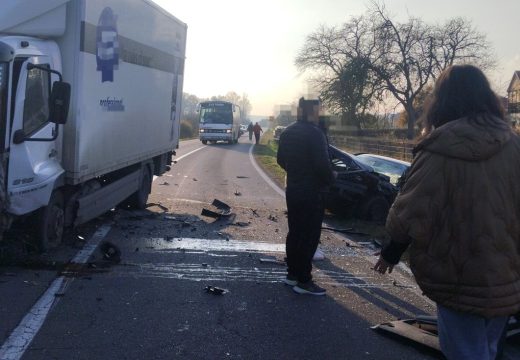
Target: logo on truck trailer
<point x="107" y="45"/>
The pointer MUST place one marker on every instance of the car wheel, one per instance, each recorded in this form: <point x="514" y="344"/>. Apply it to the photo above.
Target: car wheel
<point x="376" y="209"/>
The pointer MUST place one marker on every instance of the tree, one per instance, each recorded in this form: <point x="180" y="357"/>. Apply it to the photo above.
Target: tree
<point x="355" y="65"/>
<point x="342" y="75"/>
<point x="409" y="56"/>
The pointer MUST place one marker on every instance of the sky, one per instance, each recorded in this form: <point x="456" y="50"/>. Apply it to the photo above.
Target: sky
<point x="249" y="46"/>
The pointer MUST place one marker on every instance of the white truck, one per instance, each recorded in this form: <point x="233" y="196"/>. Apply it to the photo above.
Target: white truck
<point x="90" y="97"/>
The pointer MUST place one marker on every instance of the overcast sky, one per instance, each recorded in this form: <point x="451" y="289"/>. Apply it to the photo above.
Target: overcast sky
<point x="250" y="46"/>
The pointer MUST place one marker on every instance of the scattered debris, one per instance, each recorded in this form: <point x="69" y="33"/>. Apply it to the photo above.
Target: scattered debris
<point x="165" y="183"/>
<point x="273" y="218"/>
<point x="255" y="213"/>
<point x="59" y="294"/>
<point x="110" y="251"/>
<point x="238" y="193"/>
<point x="225" y="210"/>
<point x="272" y="261"/>
<point x="349" y="231"/>
<point x="136" y="249"/>
<point x="204" y="265"/>
<point x="242" y="177"/>
<point x="395" y="283"/>
<point x="195" y="179"/>
<point x="215" y="290"/>
<point x="241" y="223"/>
<point x="162" y="207"/>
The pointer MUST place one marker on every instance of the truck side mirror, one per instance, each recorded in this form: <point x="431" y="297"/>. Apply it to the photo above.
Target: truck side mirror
<point x="59" y="102"/>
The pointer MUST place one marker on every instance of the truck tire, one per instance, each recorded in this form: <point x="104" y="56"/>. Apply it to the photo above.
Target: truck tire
<point x="204" y="142"/>
<point x="139" y="199"/>
<point x="50" y="223"/>
<point x="375" y="209"/>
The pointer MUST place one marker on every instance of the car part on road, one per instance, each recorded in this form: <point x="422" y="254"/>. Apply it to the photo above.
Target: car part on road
<point x="225" y="210"/>
<point x="215" y="290"/>
<point x="273" y="261"/>
<point x="423" y="330"/>
<point x="110" y="252"/>
<point x="349" y="231"/>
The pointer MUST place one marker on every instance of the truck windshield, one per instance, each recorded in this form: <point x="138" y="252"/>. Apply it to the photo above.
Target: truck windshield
<point x="3" y="102"/>
<point x="216" y="113"/>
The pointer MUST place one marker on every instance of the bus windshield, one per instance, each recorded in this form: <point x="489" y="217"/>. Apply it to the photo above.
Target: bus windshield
<point x="216" y="113"/>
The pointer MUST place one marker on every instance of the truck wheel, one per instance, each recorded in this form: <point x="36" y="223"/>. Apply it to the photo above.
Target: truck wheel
<point x="139" y="199"/>
<point x="376" y="209"/>
<point x="204" y="142"/>
<point x="50" y="223"/>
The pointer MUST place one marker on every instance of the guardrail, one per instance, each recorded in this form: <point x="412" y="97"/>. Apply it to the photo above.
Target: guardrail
<point x="398" y="149"/>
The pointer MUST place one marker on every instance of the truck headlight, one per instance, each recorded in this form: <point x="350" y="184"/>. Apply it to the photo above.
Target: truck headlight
<point x="228" y="131"/>
<point x="201" y="130"/>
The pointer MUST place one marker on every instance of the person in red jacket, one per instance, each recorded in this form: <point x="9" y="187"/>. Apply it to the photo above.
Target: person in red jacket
<point x="257" y="130"/>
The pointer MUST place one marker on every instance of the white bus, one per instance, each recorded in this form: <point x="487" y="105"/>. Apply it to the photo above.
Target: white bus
<point x="219" y="121"/>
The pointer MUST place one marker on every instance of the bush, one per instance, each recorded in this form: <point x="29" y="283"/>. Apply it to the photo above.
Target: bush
<point x="187" y="130"/>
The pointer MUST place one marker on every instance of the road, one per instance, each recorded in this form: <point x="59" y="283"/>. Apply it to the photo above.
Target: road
<point x="153" y="304"/>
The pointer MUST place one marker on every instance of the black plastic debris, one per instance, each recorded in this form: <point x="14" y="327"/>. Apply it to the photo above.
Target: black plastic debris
<point x="110" y="252"/>
<point x="166" y="183"/>
<point x="215" y="290"/>
<point x="224" y="210"/>
<point x="349" y="231"/>
<point x="238" y="193"/>
<point x="272" y="261"/>
<point x="242" y="177"/>
<point x="273" y="218"/>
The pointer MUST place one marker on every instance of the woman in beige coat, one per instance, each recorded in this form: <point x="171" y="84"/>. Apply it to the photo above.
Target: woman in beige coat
<point x="459" y="212"/>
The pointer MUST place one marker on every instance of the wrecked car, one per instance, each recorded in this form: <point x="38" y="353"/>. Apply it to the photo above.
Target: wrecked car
<point x="359" y="189"/>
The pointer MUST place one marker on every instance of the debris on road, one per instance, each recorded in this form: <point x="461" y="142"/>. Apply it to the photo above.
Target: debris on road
<point x="273" y="261"/>
<point x="238" y="193"/>
<point x="396" y="284"/>
<point x="163" y="208"/>
<point x="242" y="177"/>
<point x="255" y="213"/>
<point x="215" y="290"/>
<point x="195" y="179"/>
<point x="349" y="231"/>
<point x="225" y="210"/>
<point x="165" y="183"/>
<point x="241" y="223"/>
<point x="273" y="218"/>
<point x="110" y="251"/>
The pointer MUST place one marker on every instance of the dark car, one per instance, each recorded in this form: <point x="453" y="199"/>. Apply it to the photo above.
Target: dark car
<point x="393" y="168"/>
<point x="359" y="189"/>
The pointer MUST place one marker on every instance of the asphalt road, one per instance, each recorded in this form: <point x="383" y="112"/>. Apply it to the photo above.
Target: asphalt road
<point x="153" y="304"/>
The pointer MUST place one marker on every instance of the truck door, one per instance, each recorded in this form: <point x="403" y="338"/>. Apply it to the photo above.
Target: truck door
<point x="33" y="164"/>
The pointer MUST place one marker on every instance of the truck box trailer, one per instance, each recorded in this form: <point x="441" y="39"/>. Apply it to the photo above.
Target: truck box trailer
<point x="124" y="62"/>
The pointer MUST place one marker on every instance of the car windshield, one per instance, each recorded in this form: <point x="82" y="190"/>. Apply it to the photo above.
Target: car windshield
<point x="394" y="170"/>
<point x="216" y="113"/>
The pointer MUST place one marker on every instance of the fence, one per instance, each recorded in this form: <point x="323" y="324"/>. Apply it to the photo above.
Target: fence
<point x="398" y="149"/>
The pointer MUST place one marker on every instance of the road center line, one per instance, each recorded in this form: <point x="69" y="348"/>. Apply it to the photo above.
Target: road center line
<point x="21" y="337"/>
<point x="191" y="152"/>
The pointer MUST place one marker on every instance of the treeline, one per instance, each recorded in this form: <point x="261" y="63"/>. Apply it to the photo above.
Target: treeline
<point x="190" y="119"/>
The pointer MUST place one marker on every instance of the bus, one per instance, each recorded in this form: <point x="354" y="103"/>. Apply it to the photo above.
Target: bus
<point x="219" y="121"/>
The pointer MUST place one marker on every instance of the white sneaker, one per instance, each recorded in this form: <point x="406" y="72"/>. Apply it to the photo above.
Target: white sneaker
<point x="318" y="255"/>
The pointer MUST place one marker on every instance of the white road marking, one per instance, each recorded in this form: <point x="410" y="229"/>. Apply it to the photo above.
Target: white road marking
<point x="223" y="245"/>
<point x="21" y="337"/>
<point x="191" y="152"/>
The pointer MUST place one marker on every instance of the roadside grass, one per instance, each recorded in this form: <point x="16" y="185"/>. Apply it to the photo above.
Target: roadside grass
<point x="265" y="156"/>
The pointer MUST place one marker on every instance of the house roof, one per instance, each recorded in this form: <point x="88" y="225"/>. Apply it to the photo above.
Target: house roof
<point x="516" y="76"/>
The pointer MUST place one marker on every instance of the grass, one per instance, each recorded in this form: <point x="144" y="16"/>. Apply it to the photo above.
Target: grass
<point x="265" y="156"/>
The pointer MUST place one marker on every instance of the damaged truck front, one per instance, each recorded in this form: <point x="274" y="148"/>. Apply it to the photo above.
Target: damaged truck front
<point x="89" y="108"/>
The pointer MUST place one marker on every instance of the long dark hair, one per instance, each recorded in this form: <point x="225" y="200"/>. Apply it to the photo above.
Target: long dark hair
<point x="461" y="91"/>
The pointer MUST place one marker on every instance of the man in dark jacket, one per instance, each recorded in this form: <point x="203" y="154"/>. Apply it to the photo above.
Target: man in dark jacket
<point x="303" y="154"/>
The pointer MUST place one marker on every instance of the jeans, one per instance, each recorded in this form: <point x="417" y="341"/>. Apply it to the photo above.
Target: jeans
<point x="305" y="215"/>
<point x="466" y="336"/>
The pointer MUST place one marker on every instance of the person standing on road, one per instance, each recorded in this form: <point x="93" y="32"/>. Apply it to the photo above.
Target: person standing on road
<point x="257" y="129"/>
<point x="303" y="154"/>
<point x="250" y="130"/>
<point x="459" y="211"/>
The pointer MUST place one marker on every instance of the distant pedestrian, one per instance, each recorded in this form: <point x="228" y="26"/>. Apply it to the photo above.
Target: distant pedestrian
<point x="257" y="129"/>
<point x="303" y="154"/>
<point x="459" y="211"/>
<point x="250" y="130"/>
